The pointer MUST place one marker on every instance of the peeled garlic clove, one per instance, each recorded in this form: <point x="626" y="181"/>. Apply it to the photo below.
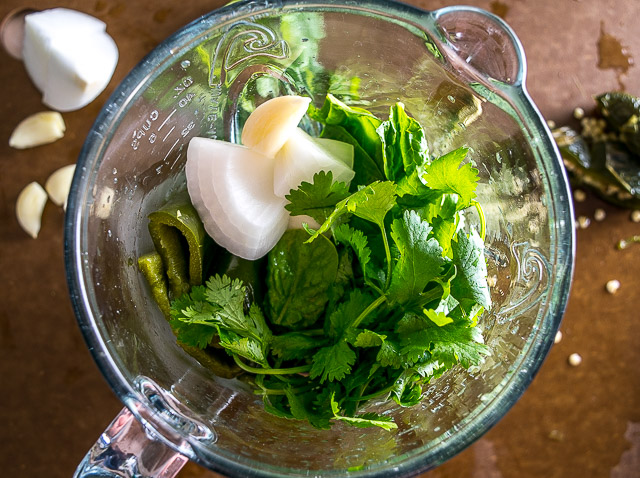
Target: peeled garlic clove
<point x="59" y="183"/>
<point x="69" y="57"/>
<point x="272" y="123"/>
<point x="29" y="208"/>
<point x="40" y="128"/>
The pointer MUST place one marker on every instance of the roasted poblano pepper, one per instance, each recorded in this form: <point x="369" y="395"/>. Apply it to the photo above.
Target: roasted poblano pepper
<point x="153" y="270"/>
<point x="181" y="247"/>
<point x="609" y="161"/>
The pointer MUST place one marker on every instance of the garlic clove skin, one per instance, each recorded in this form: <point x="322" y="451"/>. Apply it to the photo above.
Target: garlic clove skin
<point x="29" y="208"/>
<point x="58" y="185"/>
<point x="38" y="129"/>
<point x="69" y="57"/>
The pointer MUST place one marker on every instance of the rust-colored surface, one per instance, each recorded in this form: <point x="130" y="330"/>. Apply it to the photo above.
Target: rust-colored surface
<point x="572" y="422"/>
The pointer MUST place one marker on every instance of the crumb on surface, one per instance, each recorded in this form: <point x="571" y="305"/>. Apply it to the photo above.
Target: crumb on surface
<point x="635" y="215"/>
<point x="558" y="337"/>
<point x="599" y="214"/>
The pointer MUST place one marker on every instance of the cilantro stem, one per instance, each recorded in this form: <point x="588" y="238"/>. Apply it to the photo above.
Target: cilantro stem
<point x="374" y="394"/>
<point x="387" y="252"/>
<point x="483" y="221"/>
<point x="271" y="371"/>
<point x="368" y="310"/>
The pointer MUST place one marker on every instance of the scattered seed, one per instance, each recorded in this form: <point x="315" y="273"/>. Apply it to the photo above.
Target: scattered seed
<point x="635" y="215"/>
<point x="575" y="359"/>
<point x="551" y="124"/>
<point x="556" y="435"/>
<point x="492" y="281"/>
<point x="558" y="337"/>
<point x="613" y="286"/>
<point x="578" y="113"/>
<point x="583" y="222"/>
<point x="624" y="243"/>
<point x="579" y="195"/>
<point x="599" y="214"/>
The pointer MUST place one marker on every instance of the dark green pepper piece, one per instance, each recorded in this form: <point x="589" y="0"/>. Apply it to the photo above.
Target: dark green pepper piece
<point x="153" y="270"/>
<point x="214" y="360"/>
<point x="572" y="146"/>
<point x="617" y="108"/>
<point x="622" y="113"/>
<point x="179" y="237"/>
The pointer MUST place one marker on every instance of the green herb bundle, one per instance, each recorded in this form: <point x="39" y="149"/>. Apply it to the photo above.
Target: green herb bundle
<point x="382" y="298"/>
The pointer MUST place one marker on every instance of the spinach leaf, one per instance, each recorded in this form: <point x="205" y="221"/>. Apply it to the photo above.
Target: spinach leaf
<point x="298" y="277"/>
<point x="359" y="123"/>
<point x="366" y="169"/>
<point x="404" y="149"/>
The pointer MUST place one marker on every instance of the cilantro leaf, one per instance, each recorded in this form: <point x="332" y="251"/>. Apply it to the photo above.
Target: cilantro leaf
<point x="316" y="199"/>
<point x="437" y="317"/>
<point x="333" y="362"/>
<point x="420" y="258"/>
<point x="357" y="241"/>
<point x="347" y="312"/>
<point x="450" y="344"/>
<point x="372" y="203"/>
<point x="302" y="409"/>
<point x="368" y="338"/>
<point x="390" y="355"/>
<point x="187" y="307"/>
<point x="365" y="420"/>
<point x="219" y="307"/>
<point x="469" y="286"/>
<point x="407" y="391"/>
<point x="294" y="345"/>
<point x="447" y="175"/>
<point x="247" y="347"/>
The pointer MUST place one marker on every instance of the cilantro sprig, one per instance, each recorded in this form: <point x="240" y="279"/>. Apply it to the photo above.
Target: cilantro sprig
<point x="378" y="301"/>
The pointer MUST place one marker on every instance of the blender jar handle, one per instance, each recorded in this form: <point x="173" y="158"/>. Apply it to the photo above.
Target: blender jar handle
<point x="127" y="450"/>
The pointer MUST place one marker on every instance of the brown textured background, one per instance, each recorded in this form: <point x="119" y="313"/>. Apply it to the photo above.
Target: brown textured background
<point x="572" y="422"/>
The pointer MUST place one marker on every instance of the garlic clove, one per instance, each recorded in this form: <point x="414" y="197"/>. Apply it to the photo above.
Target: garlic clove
<point x="271" y="124"/>
<point x="40" y="128"/>
<point x="29" y="208"/>
<point x="59" y="183"/>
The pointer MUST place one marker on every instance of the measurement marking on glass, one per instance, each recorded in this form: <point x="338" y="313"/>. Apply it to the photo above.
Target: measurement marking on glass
<point x="166" y="119"/>
<point x="171" y="149"/>
<point x="175" y="162"/>
<point x="170" y="131"/>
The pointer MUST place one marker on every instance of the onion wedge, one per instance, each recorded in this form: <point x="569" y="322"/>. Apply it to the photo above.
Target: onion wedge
<point x="301" y="157"/>
<point x="231" y="187"/>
